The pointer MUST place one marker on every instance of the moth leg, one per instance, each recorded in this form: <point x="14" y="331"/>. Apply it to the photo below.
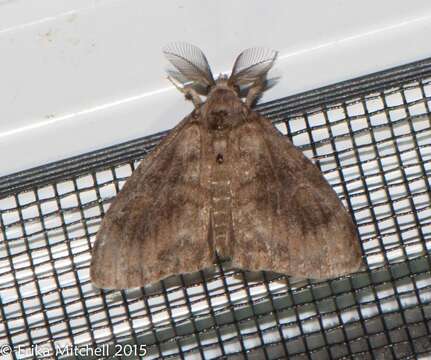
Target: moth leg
<point x="257" y="88"/>
<point x="188" y="91"/>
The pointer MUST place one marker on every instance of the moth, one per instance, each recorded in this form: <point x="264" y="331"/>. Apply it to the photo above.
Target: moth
<point x="223" y="184"/>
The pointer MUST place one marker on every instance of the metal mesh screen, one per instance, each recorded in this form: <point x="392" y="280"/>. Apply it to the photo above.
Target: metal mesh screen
<point x="371" y="137"/>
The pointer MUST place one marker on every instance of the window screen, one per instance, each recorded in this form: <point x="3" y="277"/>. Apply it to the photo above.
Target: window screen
<point x="371" y="138"/>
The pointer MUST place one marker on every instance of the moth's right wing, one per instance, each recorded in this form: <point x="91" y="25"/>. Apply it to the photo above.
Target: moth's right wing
<point x="158" y="223"/>
<point x="286" y="217"/>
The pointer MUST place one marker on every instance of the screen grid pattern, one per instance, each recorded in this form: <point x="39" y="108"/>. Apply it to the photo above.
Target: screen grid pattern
<point x="375" y="151"/>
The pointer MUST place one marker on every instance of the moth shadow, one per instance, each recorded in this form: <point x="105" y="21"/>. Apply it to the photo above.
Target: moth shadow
<point x="268" y="84"/>
<point x="264" y="276"/>
<point x="224" y="269"/>
<point x="271" y="82"/>
<point x="176" y="281"/>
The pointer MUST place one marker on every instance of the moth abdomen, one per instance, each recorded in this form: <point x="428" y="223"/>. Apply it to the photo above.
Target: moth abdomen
<point x="221" y="200"/>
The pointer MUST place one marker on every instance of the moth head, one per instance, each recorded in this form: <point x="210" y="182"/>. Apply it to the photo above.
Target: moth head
<point x="193" y="72"/>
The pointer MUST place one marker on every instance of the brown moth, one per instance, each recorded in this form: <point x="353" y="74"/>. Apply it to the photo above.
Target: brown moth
<point x="223" y="184"/>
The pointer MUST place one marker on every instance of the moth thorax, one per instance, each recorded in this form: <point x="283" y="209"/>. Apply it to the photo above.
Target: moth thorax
<point x="223" y="117"/>
<point x="218" y="120"/>
<point x="222" y="108"/>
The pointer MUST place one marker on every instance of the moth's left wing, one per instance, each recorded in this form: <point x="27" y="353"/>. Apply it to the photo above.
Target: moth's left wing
<point x="285" y="216"/>
<point x="158" y="224"/>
